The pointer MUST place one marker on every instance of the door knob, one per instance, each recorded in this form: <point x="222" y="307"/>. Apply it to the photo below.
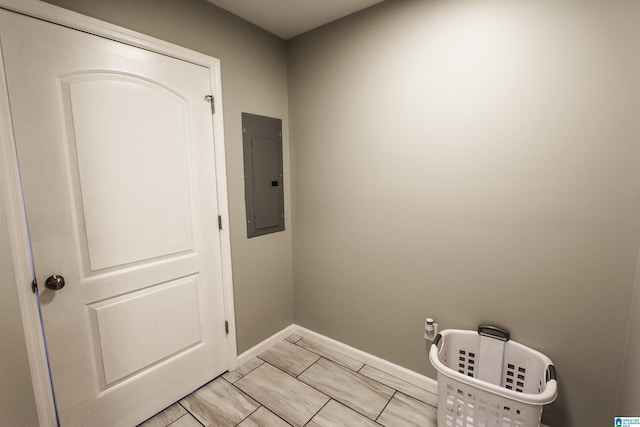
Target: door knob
<point x="54" y="282"/>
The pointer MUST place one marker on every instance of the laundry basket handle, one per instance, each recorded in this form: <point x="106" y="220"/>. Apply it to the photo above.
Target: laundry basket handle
<point x="494" y="332"/>
<point x="437" y="339"/>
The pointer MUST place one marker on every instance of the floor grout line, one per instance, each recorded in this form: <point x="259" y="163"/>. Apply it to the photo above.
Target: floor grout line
<point x="188" y="411"/>
<point x="253" y="412"/>
<point x="307" y="368"/>
<point x="295" y="378"/>
<point x="318" y="411"/>
<point x="222" y="376"/>
<point x="326" y="356"/>
<point x="343" y="403"/>
<point x="329" y="397"/>
<point x="385" y="406"/>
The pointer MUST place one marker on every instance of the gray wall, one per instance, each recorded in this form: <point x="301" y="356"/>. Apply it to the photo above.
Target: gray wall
<point x="473" y="161"/>
<point x="629" y="402"/>
<point x="17" y="402"/>
<point x="254" y="80"/>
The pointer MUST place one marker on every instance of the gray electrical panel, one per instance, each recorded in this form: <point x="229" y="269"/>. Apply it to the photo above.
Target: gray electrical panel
<point x="263" y="193"/>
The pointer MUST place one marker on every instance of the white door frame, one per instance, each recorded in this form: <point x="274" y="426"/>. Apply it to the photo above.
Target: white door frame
<point x="11" y="189"/>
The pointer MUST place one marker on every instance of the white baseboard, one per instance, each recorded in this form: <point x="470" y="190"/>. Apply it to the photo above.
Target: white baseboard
<point x="383" y="365"/>
<point x="264" y="345"/>
<point x="359" y="355"/>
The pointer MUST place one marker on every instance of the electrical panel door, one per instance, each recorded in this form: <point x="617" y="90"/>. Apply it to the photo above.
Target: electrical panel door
<point x="264" y="196"/>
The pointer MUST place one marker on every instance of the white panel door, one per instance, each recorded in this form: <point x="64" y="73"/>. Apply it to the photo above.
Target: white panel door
<point x="115" y="146"/>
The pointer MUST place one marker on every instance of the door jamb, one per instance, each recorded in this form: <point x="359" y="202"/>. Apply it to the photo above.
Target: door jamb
<point x="11" y="189"/>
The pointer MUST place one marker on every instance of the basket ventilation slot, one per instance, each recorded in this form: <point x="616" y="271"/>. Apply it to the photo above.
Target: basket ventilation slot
<point x="515" y="378"/>
<point x="467" y="363"/>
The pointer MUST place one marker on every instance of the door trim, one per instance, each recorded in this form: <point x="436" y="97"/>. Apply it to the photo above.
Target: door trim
<point x="11" y="189"/>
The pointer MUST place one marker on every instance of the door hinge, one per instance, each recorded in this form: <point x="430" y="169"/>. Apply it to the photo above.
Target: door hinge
<point x="219" y="223"/>
<point x="226" y="326"/>
<point x="34" y="286"/>
<point x="212" y="101"/>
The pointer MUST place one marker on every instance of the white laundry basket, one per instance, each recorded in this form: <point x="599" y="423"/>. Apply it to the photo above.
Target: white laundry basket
<point x="487" y="380"/>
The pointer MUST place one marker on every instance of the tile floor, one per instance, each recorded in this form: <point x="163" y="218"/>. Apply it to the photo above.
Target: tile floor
<point x="298" y="382"/>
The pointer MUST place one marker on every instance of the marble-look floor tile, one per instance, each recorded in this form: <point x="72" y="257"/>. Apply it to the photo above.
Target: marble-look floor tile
<point x="335" y="414"/>
<point x="358" y="392"/>
<point x="233" y="376"/>
<point x="219" y="404"/>
<point x="400" y="385"/>
<point x="331" y="354"/>
<point x="166" y="417"/>
<point x="292" y="400"/>
<point x="289" y="357"/>
<point x="186" y="421"/>
<point x="405" y="411"/>
<point x="264" y="418"/>
<point x="293" y="338"/>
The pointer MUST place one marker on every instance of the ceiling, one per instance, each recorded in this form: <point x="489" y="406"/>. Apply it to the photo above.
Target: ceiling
<point x="288" y="18"/>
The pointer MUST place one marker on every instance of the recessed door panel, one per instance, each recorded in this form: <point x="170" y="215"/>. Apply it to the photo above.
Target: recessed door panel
<point x="139" y="330"/>
<point x="132" y="159"/>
